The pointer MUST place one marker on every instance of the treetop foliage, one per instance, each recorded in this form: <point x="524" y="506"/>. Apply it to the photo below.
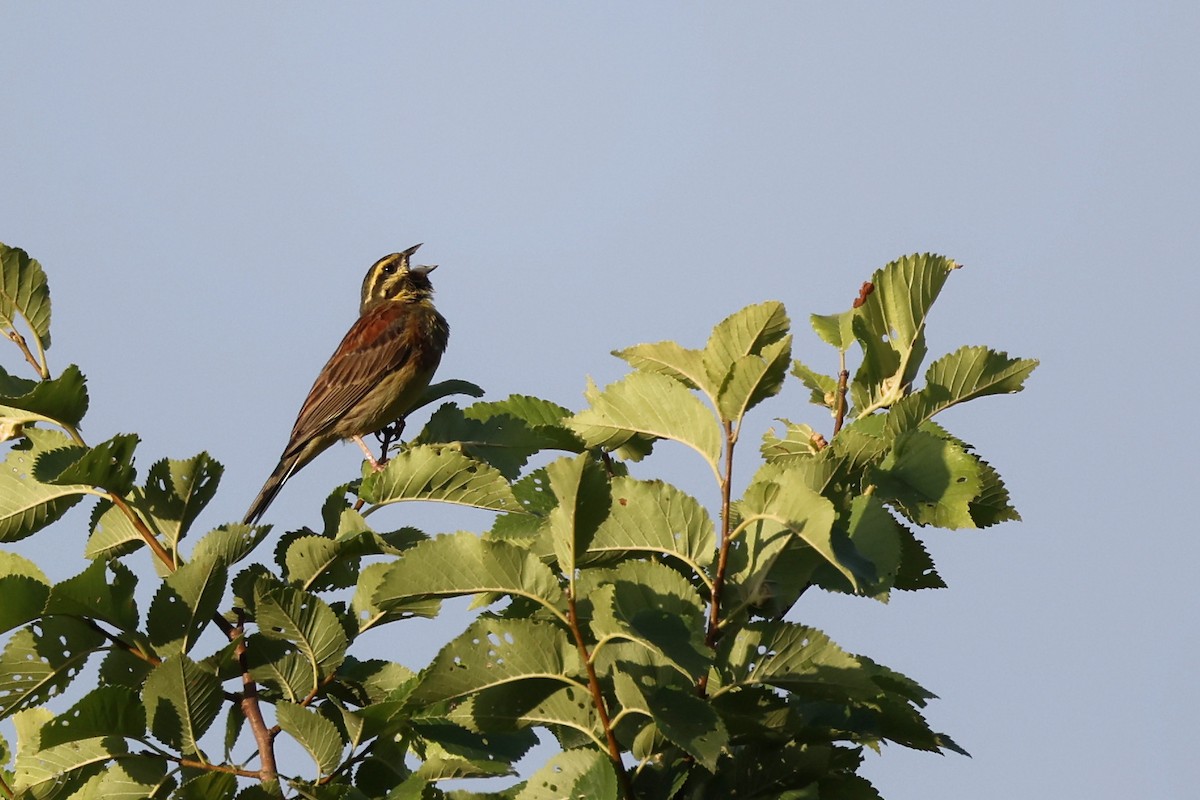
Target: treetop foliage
<point x="653" y="634"/>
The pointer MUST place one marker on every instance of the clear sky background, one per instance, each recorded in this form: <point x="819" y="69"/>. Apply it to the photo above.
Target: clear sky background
<point x="207" y="188"/>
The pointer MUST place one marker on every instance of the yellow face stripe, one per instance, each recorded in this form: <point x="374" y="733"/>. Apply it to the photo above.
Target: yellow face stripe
<point x="389" y="279"/>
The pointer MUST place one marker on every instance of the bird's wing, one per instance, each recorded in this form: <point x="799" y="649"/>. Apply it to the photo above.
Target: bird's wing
<point x="378" y="343"/>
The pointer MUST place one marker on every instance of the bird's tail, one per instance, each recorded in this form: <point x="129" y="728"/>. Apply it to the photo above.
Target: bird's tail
<point x="283" y="471"/>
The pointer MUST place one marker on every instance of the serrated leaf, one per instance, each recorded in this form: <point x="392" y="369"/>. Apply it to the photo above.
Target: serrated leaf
<point x="836" y="330"/>
<point x="122" y="668"/>
<point x="279" y="665"/>
<point x="60" y="771"/>
<point x="504" y="442"/>
<point x="367" y="614"/>
<point x="875" y="534"/>
<point x="108" y="465"/>
<point x="184" y="605"/>
<point x="306" y="621"/>
<point x="689" y="722"/>
<point x="930" y="480"/>
<point x="103" y="591"/>
<point x="317" y="735"/>
<point x="584" y="773"/>
<point x="799" y="442"/>
<point x="463" y="564"/>
<point x="439" y="474"/>
<point x="113" y="534"/>
<point x="890" y="327"/>
<point x="649" y="404"/>
<point x="652" y="517"/>
<point x="24" y="588"/>
<point x="792" y="657"/>
<point x="182" y="701"/>
<point x="669" y="358"/>
<point x="24" y="293"/>
<point x="26" y="504"/>
<point x="104" y="711"/>
<point x="822" y="388"/>
<point x="744" y="333"/>
<point x="492" y="652"/>
<point x="230" y="543"/>
<point x="209" y="786"/>
<point x="753" y="378"/>
<point x="992" y="505"/>
<point x="917" y="570"/>
<point x="785" y="502"/>
<point x="42" y="659"/>
<point x="130" y="777"/>
<point x="583" y="501"/>
<point x="965" y="374"/>
<point x="176" y="492"/>
<point x="62" y="400"/>
<point x="565" y="710"/>
<point x="652" y="605"/>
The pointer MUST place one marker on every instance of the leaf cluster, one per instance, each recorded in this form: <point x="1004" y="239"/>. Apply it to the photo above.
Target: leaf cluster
<point x="652" y="633"/>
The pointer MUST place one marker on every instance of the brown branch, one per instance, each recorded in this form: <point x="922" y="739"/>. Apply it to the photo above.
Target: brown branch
<point x="16" y="338"/>
<point x="204" y="765"/>
<point x="614" y="749"/>
<point x="251" y="710"/>
<point x="840" y="408"/>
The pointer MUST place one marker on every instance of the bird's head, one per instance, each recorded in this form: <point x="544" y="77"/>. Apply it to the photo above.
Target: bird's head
<point x="392" y="279"/>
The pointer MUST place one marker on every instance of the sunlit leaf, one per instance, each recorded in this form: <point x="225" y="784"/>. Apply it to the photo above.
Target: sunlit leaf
<point x="930" y="480"/>
<point x="744" y="333"/>
<point x="42" y="659"/>
<point x="439" y="474"/>
<point x="59" y="771"/>
<point x="182" y="701"/>
<point x="24" y="293"/>
<point x="26" y="504"/>
<point x="305" y="620"/>
<point x="317" y="735"/>
<point x="104" y="711"/>
<point x="753" y="378"/>
<point x="584" y="773"/>
<point x="582" y="490"/>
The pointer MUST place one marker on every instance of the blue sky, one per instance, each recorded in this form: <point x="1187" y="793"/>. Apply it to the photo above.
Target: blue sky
<point x="207" y="187"/>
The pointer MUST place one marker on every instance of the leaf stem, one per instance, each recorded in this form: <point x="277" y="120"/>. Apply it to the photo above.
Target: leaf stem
<point x="714" y="606"/>
<point x="38" y="364"/>
<point x="843" y="380"/>
<point x="614" y="749"/>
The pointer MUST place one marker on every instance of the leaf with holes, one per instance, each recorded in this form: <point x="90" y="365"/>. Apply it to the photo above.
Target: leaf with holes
<point x="306" y="621"/>
<point x="24" y="588"/>
<point x="368" y="614"/>
<point x="104" y="711"/>
<point x="655" y="518"/>
<point x="492" y="652"/>
<point x="108" y="465"/>
<point x="59" y="772"/>
<point x="176" y="492"/>
<point x="42" y="659"/>
<point x="795" y="658"/>
<point x="26" y="504"/>
<point x="103" y="591"/>
<point x="184" y="605"/>
<point x="230" y="543"/>
<point x="930" y="480"/>
<point x="575" y="773"/>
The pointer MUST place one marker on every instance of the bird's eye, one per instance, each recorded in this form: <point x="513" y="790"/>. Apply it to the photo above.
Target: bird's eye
<point x="389" y="268"/>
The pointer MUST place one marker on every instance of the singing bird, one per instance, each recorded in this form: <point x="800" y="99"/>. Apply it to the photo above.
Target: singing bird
<point x="375" y="376"/>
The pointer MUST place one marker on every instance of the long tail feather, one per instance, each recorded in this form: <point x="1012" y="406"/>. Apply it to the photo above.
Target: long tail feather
<point x="283" y="471"/>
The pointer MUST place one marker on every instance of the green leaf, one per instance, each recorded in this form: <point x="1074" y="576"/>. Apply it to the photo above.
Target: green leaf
<point x="584" y="773"/>
<point x="209" y="786"/>
<point x="305" y="620"/>
<point x="649" y="404"/>
<point x="24" y="294"/>
<point x="652" y="517"/>
<point x="916" y="570"/>
<point x="583" y="500"/>
<point x="567" y="711"/>
<point x="104" y="711"/>
<point x="112" y="532"/>
<point x="992" y="505"/>
<point x="441" y="474"/>
<point x="176" y="492"/>
<point x="786" y="503"/>
<point x="965" y="374"/>
<point x="930" y="480"/>
<point x="652" y="605"/>
<point x="182" y="701"/>
<point x="795" y="658"/>
<point x="890" y="327"/>
<point x="744" y="333"/>
<point x="103" y="591"/>
<point x="835" y="329"/>
<point x="26" y="504"/>
<point x="463" y="564"/>
<point x="279" y="665"/>
<point x="799" y="442"/>
<point x="42" y="659"/>
<point x="24" y="588"/>
<point x="108" y="465"/>
<point x="367" y="614"/>
<point x="317" y="735"/>
<point x="823" y="388"/>
<point x="670" y="359"/>
<point x="230" y="543"/>
<point x="876" y="535"/>
<point x="184" y="605"/>
<point x="58" y="772"/>
<point x="492" y="652"/>
<point x="753" y="378"/>
<point x="62" y="400"/>
<point x="689" y="722"/>
<point x="121" y="668"/>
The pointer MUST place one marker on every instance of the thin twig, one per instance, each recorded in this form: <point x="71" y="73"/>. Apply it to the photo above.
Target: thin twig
<point x="714" y="607"/>
<point x="614" y="749"/>
<point x="251" y="710"/>
<point x="840" y="408"/>
<point x="16" y="338"/>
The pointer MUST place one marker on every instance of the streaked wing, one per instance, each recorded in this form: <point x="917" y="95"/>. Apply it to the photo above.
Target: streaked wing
<point x="376" y="344"/>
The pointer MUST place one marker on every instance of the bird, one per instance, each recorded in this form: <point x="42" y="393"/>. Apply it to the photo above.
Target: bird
<point x="375" y="376"/>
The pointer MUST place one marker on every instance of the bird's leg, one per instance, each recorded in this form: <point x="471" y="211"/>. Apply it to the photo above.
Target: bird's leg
<point x="387" y="435"/>
<point x="375" y="465"/>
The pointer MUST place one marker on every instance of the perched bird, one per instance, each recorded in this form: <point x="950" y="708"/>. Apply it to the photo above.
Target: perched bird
<point x="378" y="371"/>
